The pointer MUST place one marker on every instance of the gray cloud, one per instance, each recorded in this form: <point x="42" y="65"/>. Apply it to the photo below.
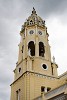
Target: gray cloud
<point x="12" y="15"/>
<point x="4" y="93"/>
<point x="48" y="7"/>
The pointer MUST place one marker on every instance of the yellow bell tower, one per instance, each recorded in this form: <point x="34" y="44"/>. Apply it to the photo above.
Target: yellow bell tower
<point x="35" y="72"/>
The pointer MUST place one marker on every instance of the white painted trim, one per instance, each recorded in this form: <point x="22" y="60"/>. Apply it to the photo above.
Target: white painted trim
<point x="43" y="68"/>
<point x="43" y="42"/>
<point x="30" y="41"/>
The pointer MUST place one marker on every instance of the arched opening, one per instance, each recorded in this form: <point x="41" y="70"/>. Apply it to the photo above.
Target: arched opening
<point x="31" y="22"/>
<point x="41" y="49"/>
<point x="48" y="89"/>
<point x="42" y="88"/>
<point x="31" y="47"/>
<point x="22" y="48"/>
<point x="45" y="89"/>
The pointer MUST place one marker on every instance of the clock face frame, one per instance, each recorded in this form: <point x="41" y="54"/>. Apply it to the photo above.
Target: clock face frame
<point x="40" y="32"/>
<point x="31" y="32"/>
<point x="44" y="66"/>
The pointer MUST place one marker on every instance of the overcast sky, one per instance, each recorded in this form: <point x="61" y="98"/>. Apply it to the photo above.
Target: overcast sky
<point x="13" y="13"/>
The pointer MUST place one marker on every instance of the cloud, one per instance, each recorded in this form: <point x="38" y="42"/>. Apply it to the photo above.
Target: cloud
<point x="58" y="40"/>
<point x="12" y="15"/>
<point x="4" y="93"/>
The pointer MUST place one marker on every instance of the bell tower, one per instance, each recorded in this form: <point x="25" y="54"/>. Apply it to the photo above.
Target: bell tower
<point x="34" y="66"/>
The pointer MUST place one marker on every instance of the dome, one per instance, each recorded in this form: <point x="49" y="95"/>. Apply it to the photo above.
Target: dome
<point x="34" y="19"/>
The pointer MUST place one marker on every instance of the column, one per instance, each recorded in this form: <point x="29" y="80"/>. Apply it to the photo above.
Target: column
<point x="36" y="44"/>
<point x="25" y="31"/>
<point x="24" y="48"/>
<point x="43" y="97"/>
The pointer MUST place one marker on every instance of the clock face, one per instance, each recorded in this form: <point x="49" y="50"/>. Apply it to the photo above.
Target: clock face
<point x="31" y="32"/>
<point x="39" y="32"/>
<point x="44" y="66"/>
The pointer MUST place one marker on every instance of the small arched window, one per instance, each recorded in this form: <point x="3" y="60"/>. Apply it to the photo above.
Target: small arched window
<point x="41" y="49"/>
<point x="31" y="46"/>
<point x="31" y="22"/>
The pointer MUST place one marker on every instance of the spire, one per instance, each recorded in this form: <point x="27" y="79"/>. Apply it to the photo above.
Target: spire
<point x="34" y="11"/>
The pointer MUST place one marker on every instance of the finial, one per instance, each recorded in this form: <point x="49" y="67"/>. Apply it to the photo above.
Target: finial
<point x="33" y="12"/>
<point x="53" y="59"/>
